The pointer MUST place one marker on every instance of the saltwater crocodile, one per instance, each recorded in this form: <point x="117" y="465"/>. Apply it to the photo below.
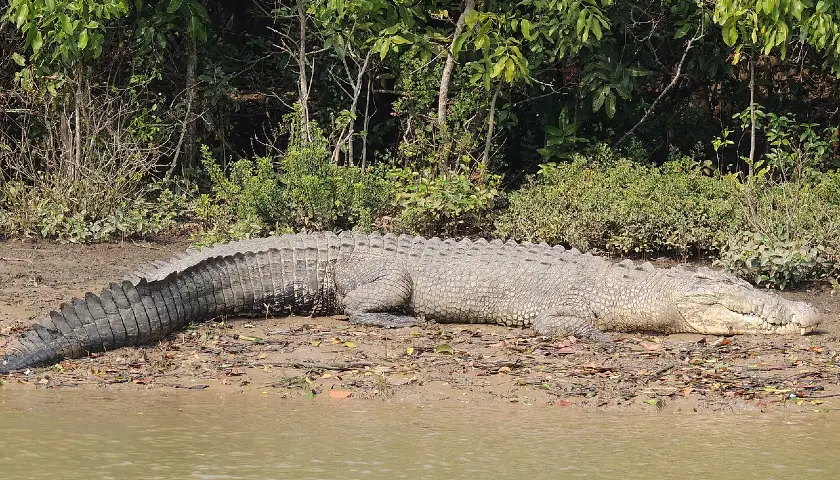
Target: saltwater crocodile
<point x="391" y="281"/>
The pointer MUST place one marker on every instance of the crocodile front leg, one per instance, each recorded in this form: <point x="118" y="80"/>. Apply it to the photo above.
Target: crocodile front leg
<point x="567" y="321"/>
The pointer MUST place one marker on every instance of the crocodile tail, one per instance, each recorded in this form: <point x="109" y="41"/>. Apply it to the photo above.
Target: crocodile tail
<point x="138" y="311"/>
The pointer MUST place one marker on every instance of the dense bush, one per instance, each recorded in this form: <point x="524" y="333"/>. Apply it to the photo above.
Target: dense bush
<point x="790" y="232"/>
<point x="94" y="185"/>
<point x="449" y="203"/>
<point x="603" y="201"/>
<point x="772" y="262"/>
<point x="301" y="189"/>
<point x="39" y="211"/>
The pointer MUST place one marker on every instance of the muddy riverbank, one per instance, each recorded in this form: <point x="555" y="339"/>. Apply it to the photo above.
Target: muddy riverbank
<point x="485" y="364"/>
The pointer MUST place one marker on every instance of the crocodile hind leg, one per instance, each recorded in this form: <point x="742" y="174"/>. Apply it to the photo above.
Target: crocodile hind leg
<point x="375" y="292"/>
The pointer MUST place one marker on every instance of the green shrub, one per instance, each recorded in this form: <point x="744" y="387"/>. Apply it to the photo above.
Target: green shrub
<point x="299" y="190"/>
<point x="241" y="204"/>
<point x="773" y="234"/>
<point x="790" y="233"/>
<point x="608" y="202"/>
<point x="828" y="187"/>
<point x="304" y="191"/>
<point x="319" y="195"/>
<point x="772" y="262"/>
<point x="444" y="203"/>
<point x="89" y="179"/>
<point x="38" y="211"/>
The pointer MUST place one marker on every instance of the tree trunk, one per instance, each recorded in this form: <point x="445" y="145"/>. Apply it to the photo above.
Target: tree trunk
<point x="192" y="87"/>
<point x="302" y="77"/>
<point x="752" y="112"/>
<point x="357" y="91"/>
<point x="350" y="127"/>
<point x="186" y="141"/>
<point x="365" y="127"/>
<point x="449" y="66"/>
<point x="491" y="126"/>
<point x="77" y="139"/>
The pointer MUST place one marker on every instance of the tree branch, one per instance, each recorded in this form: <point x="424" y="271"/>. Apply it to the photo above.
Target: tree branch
<point x="443" y="96"/>
<point x="668" y="88"/>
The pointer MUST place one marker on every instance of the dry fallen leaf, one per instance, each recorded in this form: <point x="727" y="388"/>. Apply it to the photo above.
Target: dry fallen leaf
<point x="247" y="338"/>
<point x="651" y="346"/>
<point x="339" y="394"/>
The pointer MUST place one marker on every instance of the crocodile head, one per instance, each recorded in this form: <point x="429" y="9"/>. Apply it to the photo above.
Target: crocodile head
<point x="721" y="304"/>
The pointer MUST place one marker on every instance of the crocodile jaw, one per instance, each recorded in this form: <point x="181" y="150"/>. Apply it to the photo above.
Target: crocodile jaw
<point x="727" y="309"/>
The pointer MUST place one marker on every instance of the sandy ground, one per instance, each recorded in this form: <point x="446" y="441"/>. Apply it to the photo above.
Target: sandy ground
<point x="298" y="356"/>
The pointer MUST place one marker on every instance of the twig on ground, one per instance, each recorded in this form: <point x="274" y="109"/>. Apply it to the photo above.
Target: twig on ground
<point x="146" y="245"/>
<point x="308" y="365"/>
<point x="10" y="259"/>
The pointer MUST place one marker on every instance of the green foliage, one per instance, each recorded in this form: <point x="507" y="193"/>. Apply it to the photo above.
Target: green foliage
<point x="299" y="190"/>
<point x="773" y="234"/>
<point x="449" y="203"/>
<point x="379" y="26"/>
<point x="241" y="204"/>
<point x="828" y="187"/>
<point x="768" y="25"/>
<point x="562" y="140"/>
<point x="795" y="150"/>
<point x="796" y="226"/>
<point x="606" y="80"/>
<point x="321" y="196"/>
<point x="604" y="201"/>
<point x="42" y="212"/>
<point x="422" y="140"/>
<point x="66" y="31"/>
<point x="769" y="261"/>
<point x="501" y="49"/>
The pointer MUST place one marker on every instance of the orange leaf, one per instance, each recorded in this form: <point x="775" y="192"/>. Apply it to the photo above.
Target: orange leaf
<point x="339" y="394"/>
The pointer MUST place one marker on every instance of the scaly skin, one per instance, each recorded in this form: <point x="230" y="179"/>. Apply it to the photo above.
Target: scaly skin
<point x="391" y="281"/>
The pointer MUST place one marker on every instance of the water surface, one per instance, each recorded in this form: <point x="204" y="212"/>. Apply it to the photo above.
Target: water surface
<point x="160" y="435"/>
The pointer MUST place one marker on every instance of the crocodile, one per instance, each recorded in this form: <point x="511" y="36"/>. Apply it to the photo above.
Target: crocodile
<point x="392" y="280"/>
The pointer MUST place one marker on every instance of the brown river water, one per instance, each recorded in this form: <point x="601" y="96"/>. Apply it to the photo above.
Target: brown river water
<point x="198" y="435"/>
